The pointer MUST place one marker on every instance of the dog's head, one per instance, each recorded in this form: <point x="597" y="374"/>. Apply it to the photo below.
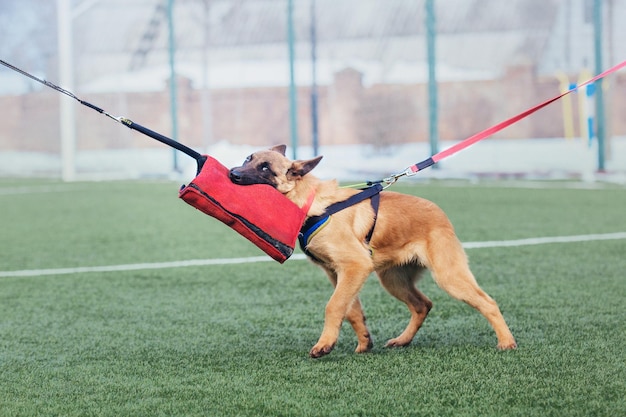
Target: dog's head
<point x="272" y="167"/>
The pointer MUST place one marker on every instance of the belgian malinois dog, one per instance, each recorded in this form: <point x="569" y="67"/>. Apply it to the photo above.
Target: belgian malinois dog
<point x="410" y="234"/>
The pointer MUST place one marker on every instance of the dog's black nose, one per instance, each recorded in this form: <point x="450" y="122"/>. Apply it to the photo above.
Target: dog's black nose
<point x="234" y="175"/>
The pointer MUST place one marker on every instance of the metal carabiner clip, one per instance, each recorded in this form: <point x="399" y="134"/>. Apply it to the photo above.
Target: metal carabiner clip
<point x="390" y="180"/>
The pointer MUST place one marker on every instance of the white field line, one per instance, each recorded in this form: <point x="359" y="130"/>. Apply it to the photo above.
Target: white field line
<point x="39" y="189"/>
<point x="298" y="257"/>
<point x="544" y="240"/>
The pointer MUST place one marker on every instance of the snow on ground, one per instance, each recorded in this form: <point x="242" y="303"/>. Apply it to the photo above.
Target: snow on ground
<point x="275" y="73"/>
<point x="524" y="159"/>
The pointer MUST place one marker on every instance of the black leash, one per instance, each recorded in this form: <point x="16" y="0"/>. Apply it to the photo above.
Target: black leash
<point x="200" y="159"/>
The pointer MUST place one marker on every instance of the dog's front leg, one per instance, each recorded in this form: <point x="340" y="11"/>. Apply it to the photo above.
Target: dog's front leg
<point x="355" y="316"/>
<point x="349" y="283"/>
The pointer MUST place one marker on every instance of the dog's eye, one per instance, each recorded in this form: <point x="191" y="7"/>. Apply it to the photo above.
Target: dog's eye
<point x="265" y="167"/>
<point x="248" y="159"/>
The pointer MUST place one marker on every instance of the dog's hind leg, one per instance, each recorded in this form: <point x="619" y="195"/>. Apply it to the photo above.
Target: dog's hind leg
<point x="356" y="318"/>
<point x="450" y="269"/>
<point x="400" y="281"/>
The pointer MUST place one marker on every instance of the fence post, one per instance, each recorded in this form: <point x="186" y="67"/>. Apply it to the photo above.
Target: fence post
<point x="173" y="86"/>
<point x="600" y="119"/>
<point x="293" y="104"/>
<point x="433" y="132"/>
<point x="66" y="76"/>
<point x="314" y="92"/>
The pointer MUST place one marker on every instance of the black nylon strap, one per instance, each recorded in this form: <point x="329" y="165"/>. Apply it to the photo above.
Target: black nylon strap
<point x="375" y="203"/>
<point x="372" y="192"/>
<point x="161" y="138"/>
<point x="355" y="199"/>
<point x="200" y="159"/>
<point x="425" y="164"/>
<point x="91" y="106"/>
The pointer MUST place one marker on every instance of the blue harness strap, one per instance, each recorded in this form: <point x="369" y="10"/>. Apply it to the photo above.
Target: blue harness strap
<point x="308" y="230"/>
<point x="313" y="224"/>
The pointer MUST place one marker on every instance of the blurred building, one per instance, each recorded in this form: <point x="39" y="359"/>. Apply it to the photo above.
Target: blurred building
<point x="494" y="59"/>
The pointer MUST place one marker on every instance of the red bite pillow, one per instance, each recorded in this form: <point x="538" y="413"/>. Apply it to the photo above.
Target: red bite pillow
<point x="258" y="212"/>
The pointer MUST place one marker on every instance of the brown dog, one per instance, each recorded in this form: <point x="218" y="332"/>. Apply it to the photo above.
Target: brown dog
<point x="410" y="234"/>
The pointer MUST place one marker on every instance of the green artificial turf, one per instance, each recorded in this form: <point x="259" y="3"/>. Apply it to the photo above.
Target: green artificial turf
<point x="233" y="340"/>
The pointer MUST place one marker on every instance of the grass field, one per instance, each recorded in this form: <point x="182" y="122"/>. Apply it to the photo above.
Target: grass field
<point x="233" y="340"/>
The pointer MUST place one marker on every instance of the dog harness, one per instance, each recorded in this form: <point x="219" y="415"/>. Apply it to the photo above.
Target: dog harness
<point x="314" y="224"/>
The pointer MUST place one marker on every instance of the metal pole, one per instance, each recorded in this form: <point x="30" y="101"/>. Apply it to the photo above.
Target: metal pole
<point x="173" y="89"/>
<point x="66" y="78"/>
<point x="314" y="93"/>
<point x="206" y="104"/>
<point x="293" y="105"/>
<point x="433" y="132"/>
<point x="600" y="119"/>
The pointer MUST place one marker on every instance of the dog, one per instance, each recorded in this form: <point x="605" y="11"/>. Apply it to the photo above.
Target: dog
<point x="410" y="234"/>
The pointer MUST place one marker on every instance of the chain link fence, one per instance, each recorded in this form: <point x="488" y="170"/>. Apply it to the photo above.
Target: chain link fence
<point x="368" y="67"/>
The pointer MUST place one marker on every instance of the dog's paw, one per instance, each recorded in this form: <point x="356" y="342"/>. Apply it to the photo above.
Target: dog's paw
<point x="318" y="351"/>
<point x="365" y="346"/>
<point x="397" y="342"/>
<point x="509" y="345"/>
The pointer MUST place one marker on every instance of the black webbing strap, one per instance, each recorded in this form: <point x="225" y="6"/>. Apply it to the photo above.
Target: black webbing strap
<point x="355" y="199"/>
<point x="315" y="222"/>
<point x="375" y="200"/>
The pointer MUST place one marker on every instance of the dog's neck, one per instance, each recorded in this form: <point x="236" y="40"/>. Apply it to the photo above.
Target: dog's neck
<point x="326" y="193"/>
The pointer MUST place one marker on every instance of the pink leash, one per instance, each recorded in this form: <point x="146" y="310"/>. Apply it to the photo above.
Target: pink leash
<point x="413" y="169"/>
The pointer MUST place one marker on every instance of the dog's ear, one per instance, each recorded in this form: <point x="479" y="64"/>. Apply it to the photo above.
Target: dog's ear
<point x="301" y="168"/>
<point x="279" y="148"/>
